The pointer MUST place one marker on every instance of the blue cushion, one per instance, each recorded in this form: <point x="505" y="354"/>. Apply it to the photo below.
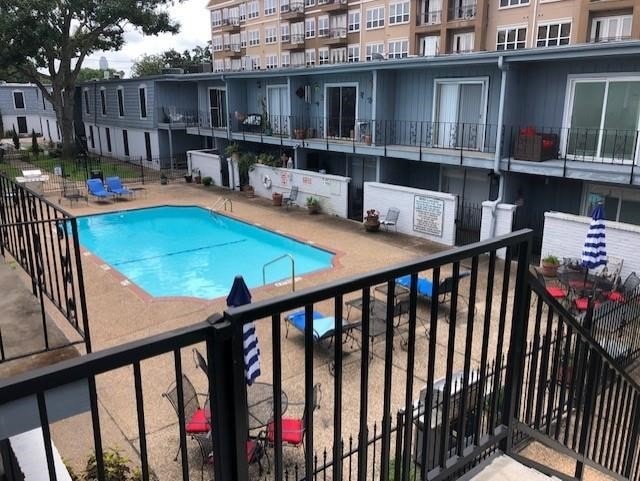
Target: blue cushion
<point x="322" y="325"/>
<point x="425" y="286"/>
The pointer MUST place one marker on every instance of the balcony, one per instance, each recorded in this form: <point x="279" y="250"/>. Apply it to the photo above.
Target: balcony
<point x="428" y="19"/>
<point x="335" y="36"/>
<point x="333" y="6"/>
<point x="233" y="50"/>
<point x="295" y="42"/>
<point x="230" y="25"/>
<point x="465" y="12"/>
<point x="619" y="38"/>
<point x="292" y="11"/>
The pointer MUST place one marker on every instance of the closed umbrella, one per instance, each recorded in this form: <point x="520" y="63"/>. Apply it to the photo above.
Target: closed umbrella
<point x="594" y="253"/>
<point x="239" y="296"/>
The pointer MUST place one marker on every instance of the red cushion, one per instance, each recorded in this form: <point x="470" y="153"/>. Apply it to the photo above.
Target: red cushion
<point x="556" y="292"/>
<point x="292" y="431"/>
<point x="199" y="422"/>
<point x="528" y="131"/>
<point x="616" y="297"/>
<point x="547" y="144"/>
<point x="582" y="303"/>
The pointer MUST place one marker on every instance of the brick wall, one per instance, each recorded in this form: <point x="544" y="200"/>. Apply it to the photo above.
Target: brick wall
<point x="564" y="236"/>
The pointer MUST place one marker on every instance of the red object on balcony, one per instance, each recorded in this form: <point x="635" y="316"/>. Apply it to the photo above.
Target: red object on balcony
<point x="536" y="147"/>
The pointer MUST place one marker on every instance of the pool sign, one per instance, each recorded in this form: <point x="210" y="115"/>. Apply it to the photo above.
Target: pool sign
<point x="428" y="215"/>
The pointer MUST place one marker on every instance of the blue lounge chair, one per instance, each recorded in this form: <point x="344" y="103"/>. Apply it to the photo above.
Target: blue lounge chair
<point x="425" y="286"/>
<point x="115" y="185"/>
<point x="324" y="327"/>
<point x="96" y="189"/>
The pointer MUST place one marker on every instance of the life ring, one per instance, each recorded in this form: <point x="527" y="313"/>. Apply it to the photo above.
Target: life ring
<point x="266" y="181"/>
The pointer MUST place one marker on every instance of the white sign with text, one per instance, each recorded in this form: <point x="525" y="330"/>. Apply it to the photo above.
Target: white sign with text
<point x="428" y="215"/>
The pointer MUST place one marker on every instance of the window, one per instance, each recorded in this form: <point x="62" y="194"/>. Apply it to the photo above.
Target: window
<point x="285" y="59"/>
<point x="553" y="34"/>
<point x="218" y="65"/>
<point x="125" y="141"/>
<point x="243" y="38"/>
<point x="353" y="53"/>
<point x="86" y="100"/>
<point x="620" y="205"/>
<point x="44" y="104"/>
<point x="254" y="37"/>
<point x="463" y="42"/>
<point x="339" y="55"/>
<point x="270" y="35"/>
<point x="284" y="6"/>
<point x="338" y="26"/>
<point x="606" y="29"/>
<point x="511" y="38"/>
<point x="323" y="56"/>
<point x="397" y="48"/>
<point x="284" y="32"/>
<point x="216" y="18"/>
<point x="103" y="101"/>
<point x="107" y="133"/>
<point x="323" y="26"/>
<point x="255" y="62"/>
<point x="340" y="108"/>
<point x="603" y="118"/>
<point x="93" y="141"/>
<point x="242" y="12"/>
<point x="120" y="102"/>
<point x="297" y="59"/>
<point x="429" y="45"/>
<point x="269" y="7"/>
<point x="22" y="125"/>
<point x="375" y="50"/>
<point x="375" y="18"/>
<point x="252" y="9"/>
<point x="398" y="13"/>
<point x="354" y="20"/>
<point x="272" y="61"/>
<point x="309" y="3"/>
<point x="142" y="96"/>
<point x="18" y="100"/>
<point x="147" y="146"/>
<point x="310" y="28"/>
<point x="513" y="3"/>
<point x="310" y="57"/>
<point x="216" y="43"/>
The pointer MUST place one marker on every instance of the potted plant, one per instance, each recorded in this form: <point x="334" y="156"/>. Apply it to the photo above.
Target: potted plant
<point x="233" y="150"/>
<point x="245" y="165"/>
<point x="197" y="176"/>
<point x="188" y="178"/>
<point x="207" y="181"/>
<point x="276" y="197"/>
<point x="550" y="266"/>
<point x="313" y="205"/>
<point x="299" y="134"/>
<point x="372" y="221"/>
<point x="164" y="180"/>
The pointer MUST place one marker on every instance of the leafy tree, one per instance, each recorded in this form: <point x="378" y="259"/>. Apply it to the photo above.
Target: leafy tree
<point x="15" y="139"/>
<point x="57" y="35"/>
<point x="91" y="73"/>
<point x="147" y="65"/>
<point x="35" y="148"/>
<point x="153" y="64"/>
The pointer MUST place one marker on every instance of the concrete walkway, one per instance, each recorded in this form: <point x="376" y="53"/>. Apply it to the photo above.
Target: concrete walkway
<point x="504" y="468"/>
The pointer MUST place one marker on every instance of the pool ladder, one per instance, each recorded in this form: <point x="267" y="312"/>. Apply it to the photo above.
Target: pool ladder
<point x="224" y="201"/>
<point x="293" y="269"/>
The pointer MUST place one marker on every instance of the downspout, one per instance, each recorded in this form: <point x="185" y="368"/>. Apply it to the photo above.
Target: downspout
<point x="498" y="154"/>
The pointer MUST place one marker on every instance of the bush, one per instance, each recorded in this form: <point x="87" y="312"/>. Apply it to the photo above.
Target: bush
<point x="116" y="467"/>
<point x="16" y="139"/>
<point x="35" y="147"/>
<point x="247" y="161"/>
<point x="206" y="181"/>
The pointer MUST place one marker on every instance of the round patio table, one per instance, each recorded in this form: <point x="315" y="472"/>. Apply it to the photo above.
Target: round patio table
<point x="260" y="404"/>
<point x="584" y="284"/>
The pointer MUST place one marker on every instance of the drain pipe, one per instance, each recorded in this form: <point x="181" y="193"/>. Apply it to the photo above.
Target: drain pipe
<point x="498" y="154"/>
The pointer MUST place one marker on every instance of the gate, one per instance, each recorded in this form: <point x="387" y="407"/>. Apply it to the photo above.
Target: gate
<point x="528" y="218"/>
<point x="468" y="222"/>
<point x="224" y="171"/>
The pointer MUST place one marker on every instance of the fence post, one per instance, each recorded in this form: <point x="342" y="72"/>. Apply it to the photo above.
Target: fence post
<point x="397" y="464"/>
<point x="517" y="343"/>
<point x="141" y="171"/>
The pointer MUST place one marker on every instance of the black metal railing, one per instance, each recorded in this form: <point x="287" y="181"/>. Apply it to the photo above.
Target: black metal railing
<point x="42" y="239"/>
<point x="433" y="17"/>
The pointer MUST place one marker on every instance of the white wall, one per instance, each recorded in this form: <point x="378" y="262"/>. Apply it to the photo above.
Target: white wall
<point x="381" y="197"/>
<point x="207" y="163"/>
<point x="11" y="122"/>
<point x="331" y="190"/>
<point x="564" y="236"/>
<point x="503" y="221"/>
<point x="137" y="147"/>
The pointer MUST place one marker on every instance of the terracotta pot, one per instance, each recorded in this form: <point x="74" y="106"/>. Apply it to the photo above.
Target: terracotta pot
<point x="299" y="133"/>
<point x="248" y="191"/>
<point x="367" y="139"/>
<point x="276" y="197"/>
<point x="313" y="209"/>
<point x="372" y="223"/>
<point x="549" y="269"/>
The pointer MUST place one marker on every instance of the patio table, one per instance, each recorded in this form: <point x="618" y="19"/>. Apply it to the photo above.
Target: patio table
<point x="584" y="284"/>
<point x="260" y="404"/>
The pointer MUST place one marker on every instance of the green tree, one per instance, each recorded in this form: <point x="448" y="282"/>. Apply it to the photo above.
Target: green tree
<point x="147" y="65"/>
<point x="35" y="148"/>
<point x="57" y="35"/>
<point x="153" y="64"/>
<point x="92" y="73"/>
<point x="15" y="139"/>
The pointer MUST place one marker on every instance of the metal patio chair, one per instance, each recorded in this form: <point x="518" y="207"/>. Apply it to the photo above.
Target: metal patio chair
<point x="391" y="219"/>
<point x="291" y="198"/>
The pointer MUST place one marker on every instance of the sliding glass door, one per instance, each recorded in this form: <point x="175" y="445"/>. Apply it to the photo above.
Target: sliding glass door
<point x="460" y="111"/>
<point x="340" y="105"/>
<point x="278" y="108"/>
<point x="603" y="120"/>
<point x="218" y="108"/>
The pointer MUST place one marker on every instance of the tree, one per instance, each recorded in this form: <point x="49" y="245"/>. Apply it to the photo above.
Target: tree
<point x="15" y="139"/>
<point x="147" y="65"/>
<point x="57" y="35"/>
<point x="153" y="64"/>
<point x="35" y="148"/>
<point x="92" y="73"/>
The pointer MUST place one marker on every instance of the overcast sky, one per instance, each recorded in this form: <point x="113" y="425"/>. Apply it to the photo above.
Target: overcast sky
<point x="194" y="20"/>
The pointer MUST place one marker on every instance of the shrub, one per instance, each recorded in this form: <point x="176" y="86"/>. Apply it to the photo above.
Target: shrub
<point x="16" y="139"/>
<point x="232" y="148"/>
<point x="247" y="161"/>
<point x="206" y="181"/>
<point x="116" y="467"/>
<point x="35" y="147"/>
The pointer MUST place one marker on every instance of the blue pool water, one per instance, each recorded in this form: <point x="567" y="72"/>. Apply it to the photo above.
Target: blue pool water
<point x="188" y="251"/>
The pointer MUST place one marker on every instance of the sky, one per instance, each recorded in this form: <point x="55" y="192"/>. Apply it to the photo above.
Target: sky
<point x="195" y="30"/>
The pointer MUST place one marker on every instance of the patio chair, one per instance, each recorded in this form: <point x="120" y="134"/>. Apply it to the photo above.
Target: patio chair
<point x="115" y="185"/>
<point x="293" y="429"/>
<point x="558" y="293"/>
<point x="200" y="361"/>
<point x="71" y="192"/>
<point x="96" y="189"/>
<point x="197" y="418"/>
<point x="391" y="219"/>
<point x="324" y="327"/>
<point x="630" y="284"/>
<point x="425" y="286"/>
<point x="255" y="452"/>
<point x="291" y="199"/>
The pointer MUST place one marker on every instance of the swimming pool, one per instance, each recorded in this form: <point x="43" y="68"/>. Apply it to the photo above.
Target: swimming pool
<point x="190" y="251"/>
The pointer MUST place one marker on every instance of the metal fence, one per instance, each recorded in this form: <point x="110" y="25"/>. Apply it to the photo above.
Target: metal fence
<point x="43" y="240"/>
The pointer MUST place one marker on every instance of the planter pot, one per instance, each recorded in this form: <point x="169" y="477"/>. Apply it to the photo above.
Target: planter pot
<point x="248" y="191"/>
<point x="164" y="181"/>
<point x="313" y="209"/>
<point x="367" y="139"/>
<point x="311" y="133"/>
<point x="372" y="224"/>
<point x="298" y="133"/>
<point x="277" y="199"/>
<point x="198" y="179"/>
<point x="549" y="270"/>
<point x="188" y="179"/>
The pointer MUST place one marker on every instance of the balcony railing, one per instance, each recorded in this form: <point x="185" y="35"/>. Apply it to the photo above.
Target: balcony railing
<point x="467" y="11"/>
<point x="338" y="33"/>
<point x="296" y="7"/>
<point x="430" y="18"/>
<point x="231" y="22"/>
<point x="618" y="38"/>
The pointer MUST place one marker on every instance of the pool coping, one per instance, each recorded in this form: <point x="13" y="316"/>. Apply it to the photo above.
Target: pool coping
<point x="145" y="296"/>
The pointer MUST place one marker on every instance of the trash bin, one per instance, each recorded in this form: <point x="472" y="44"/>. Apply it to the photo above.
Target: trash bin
<point x="97" y="174"/>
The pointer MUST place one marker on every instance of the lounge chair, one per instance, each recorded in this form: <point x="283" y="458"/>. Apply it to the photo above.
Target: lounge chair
<point x="391" y="219"/>
<point x="115" y="185"/>
<point x="324" y="327"/>
<point x="291" y="199"/>
<point x="425" y="286"/>
<point x="96" y="189"/>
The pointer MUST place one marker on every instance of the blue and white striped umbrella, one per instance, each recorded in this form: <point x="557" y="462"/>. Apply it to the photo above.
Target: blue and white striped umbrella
<point x="594" y="253"/>
<point x="239" y="296"/>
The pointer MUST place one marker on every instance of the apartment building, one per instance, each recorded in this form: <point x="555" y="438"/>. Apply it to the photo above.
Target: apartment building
<point x="268" y="34"/>
<point x="24" y="109"/>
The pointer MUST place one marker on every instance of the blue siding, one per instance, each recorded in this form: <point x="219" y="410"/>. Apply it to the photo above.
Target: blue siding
<point x="32" y="100"/>
<point x="181" y="96"/>
<point x="203" y="95"/>
<point x="131" y="117"/>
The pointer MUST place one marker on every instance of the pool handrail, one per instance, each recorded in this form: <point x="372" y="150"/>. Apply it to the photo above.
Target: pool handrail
<point x="225" y="201"/>
<point x="293" y="269"/>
